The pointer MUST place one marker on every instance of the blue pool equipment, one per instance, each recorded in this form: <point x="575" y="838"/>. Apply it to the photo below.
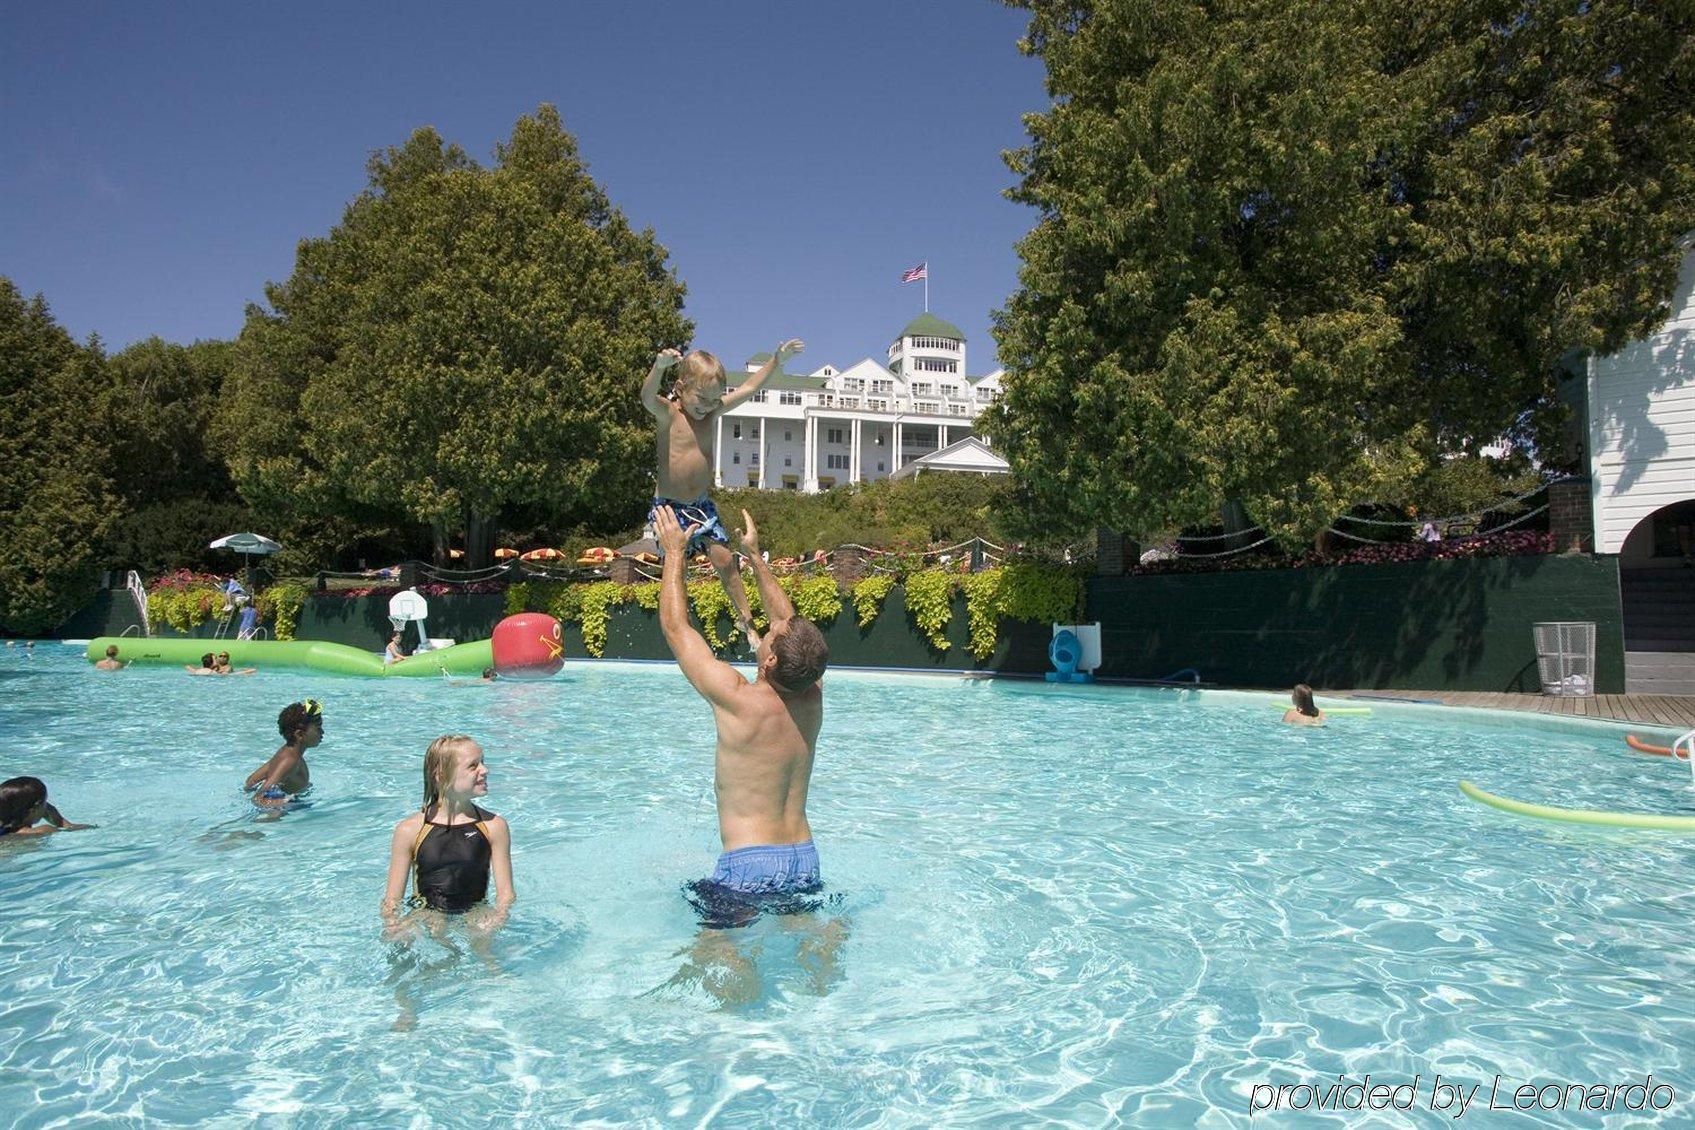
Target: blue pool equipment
<point x="1075" y="652"/>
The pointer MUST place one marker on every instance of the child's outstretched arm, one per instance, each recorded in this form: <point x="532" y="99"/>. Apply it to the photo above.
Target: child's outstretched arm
<point x="750" y="386"/>
<point x="651" y="400"/>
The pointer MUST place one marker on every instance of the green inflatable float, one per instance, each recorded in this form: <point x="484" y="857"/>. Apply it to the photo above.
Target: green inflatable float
<point x="312" y="655"/>
<point x="1657" y="821"/>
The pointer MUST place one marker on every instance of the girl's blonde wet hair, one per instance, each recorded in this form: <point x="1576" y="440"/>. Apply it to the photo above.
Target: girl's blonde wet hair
<point x="697" y="370"/>
<point x="438" y="766"/>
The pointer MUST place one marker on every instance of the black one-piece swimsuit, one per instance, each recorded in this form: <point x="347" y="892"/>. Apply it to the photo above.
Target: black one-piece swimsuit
<point x="453" y="863"/>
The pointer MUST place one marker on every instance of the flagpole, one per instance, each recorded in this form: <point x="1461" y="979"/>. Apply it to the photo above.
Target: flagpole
<point x="926" y="286"/>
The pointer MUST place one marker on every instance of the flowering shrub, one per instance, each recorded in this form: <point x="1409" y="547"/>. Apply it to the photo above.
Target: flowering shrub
<point x="184" y="599"/>
<point x="184" y="579"/>
<point x="1508" y="543"/>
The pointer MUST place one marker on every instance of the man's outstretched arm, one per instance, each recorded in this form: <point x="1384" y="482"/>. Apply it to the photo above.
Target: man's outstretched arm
<point x="771" y="594"/>
<point x="712" y="677"/>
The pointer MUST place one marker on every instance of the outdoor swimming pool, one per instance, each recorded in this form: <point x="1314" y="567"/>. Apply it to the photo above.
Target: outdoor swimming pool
<point x="1070" y="904"/>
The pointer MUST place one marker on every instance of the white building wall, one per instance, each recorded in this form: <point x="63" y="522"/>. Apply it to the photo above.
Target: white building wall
<point x="1642" y="422"/>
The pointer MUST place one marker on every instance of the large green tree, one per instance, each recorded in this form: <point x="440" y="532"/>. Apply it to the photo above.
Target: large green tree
<point x="56" y="501"/>
<point x="466" y="341"/>
<point x="156" y="408"/>
<point x="1288" y="253"/>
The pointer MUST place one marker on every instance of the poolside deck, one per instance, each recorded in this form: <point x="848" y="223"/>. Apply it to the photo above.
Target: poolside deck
<point x="1651" y="709"/>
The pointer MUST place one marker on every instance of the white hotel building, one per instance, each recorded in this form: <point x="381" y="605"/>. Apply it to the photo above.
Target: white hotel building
<point x="859" y="424"/>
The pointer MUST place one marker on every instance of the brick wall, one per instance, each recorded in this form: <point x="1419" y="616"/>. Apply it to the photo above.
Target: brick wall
<point x="1571" y="516"/>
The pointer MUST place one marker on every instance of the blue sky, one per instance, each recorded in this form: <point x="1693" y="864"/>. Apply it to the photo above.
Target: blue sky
<point x="158" y="163"/>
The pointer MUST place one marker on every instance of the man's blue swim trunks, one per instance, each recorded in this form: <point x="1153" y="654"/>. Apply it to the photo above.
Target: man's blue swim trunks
<point x="701" y="512"/>
<point x="763" y="879"/>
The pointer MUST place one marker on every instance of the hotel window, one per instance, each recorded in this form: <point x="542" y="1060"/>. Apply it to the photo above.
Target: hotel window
<point x="833" y="435"/>
<point x="850" y="402"/>
<point x="884" y="387"/>
<point x="880" y="465"/>
<point x="735" y="431"/>
<point x="956" y="409"/>
<point x="788" y="462"/>
<point x="788" y="398"/>
<point x="735" y="457"/>
<point x="930" y="407"/>
<point x="881" y="439"/>
<point x="762" y="396"/>
<point x="931" y="365"/>
<point x="853" y="384"/>
<point x="923" y="388"/>
<point x="949" y="389"/>
<point x="984" y="395"/>
<point x="754" y="459"/>
<point x="877" y="405"/>
<point x="836" y="462"/>
<point x="788" y="436"/>
<point x="935" y="343"/>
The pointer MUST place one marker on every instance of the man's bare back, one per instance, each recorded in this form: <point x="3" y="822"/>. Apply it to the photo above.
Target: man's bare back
<point x="766" y="743"/>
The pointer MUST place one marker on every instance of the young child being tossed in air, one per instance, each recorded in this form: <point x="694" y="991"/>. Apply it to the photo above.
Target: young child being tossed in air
<point x="687" y="430"/>
<point x="277" y="781"/>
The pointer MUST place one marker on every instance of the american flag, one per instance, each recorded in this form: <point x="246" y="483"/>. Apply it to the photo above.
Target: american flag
<point x="914" y="274"/>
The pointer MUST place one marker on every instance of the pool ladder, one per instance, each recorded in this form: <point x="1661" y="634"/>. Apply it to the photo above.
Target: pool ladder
<point x="1687" y="744"/>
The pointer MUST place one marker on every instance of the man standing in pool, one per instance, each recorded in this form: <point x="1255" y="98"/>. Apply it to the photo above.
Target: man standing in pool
<point x="767" y="733"/>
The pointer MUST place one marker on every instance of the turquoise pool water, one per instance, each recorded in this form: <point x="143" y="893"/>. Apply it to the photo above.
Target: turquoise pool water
<point x="1070" y="905"/>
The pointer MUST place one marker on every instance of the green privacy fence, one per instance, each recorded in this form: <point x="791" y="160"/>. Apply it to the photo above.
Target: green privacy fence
<point x="1418" y="625"/>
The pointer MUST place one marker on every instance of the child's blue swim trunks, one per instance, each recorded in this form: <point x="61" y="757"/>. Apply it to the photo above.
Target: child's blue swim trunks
<point x="701" y="512"/>
<point x="765" y="878"/>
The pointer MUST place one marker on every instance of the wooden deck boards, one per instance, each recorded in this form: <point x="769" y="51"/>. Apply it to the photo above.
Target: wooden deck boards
<point x="1656" y="710"/>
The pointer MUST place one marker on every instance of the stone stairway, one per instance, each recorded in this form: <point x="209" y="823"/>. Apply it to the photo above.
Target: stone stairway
<point x="1659" y="631"/>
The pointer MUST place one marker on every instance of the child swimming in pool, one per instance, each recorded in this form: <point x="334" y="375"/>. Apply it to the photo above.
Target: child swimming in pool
<point x="686" y="445"/>
<point x="23" y="807"/>
<point x="1305" y="712"/>
<point x="286" y="775"/>
<point x="450" y="847"/>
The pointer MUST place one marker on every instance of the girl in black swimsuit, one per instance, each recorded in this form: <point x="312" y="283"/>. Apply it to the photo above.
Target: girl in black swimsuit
<point x="450" y="847"/>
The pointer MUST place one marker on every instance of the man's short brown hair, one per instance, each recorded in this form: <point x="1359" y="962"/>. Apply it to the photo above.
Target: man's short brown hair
<point x="801" y="654"/>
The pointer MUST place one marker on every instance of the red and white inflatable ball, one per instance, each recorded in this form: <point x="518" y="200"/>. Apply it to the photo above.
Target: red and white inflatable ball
<point x="527" y="646"/>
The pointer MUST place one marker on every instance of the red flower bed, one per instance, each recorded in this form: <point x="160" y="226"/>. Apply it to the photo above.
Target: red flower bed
<point x="184" y="579"/>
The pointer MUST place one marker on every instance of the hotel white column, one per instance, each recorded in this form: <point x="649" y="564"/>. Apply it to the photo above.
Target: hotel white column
<point x="718" y="454"/>
<point x="942" y="438"/>
<point x="809" y="463"/>
<point x="764" y="451"/>
<point x="894" y="463"/>
<point x="853" y="453"/>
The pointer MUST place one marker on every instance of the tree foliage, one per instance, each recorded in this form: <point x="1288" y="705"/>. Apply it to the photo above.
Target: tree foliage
<point x="155" y="407"/>
<point x="56" y="498"/>
<point x="1290" y="253"/>
<point x="466" y="342"/>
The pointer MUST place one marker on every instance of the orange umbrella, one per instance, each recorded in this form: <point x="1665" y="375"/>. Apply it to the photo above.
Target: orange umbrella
<point x="543" y="554"/>
<point x="503" y="553"/>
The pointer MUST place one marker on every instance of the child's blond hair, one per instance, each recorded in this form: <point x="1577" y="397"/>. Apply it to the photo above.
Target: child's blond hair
<point x="440" y="761"/>
<point x="699" y="370"/>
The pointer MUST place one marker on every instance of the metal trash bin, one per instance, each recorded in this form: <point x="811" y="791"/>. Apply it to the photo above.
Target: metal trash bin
<point x="1565" y="658"/>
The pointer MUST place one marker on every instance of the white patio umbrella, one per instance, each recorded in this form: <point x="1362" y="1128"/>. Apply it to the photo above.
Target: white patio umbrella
<point x="249" y="546"/>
